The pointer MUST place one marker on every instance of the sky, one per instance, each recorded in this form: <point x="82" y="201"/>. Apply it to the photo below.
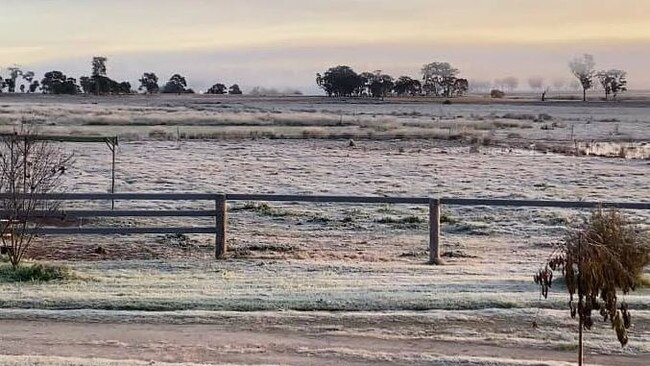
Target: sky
<point x="284" y="43"/>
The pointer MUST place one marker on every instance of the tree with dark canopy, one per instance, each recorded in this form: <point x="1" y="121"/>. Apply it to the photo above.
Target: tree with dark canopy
<point x="56" y="82"/>
<point x="380" y="85"/>
<point x="235" y="90"/>
<point x="440" y="79"/>
<point x="149" y="82"/>
<point x="406" y="85"/>
<point x="366" y="80"/>
<point x="34" y="86"/>
<point x="99" y="83"/>
<point x="613" y="82"/>
<point x="340" y="81"/>
<point x="217" y="88"/>
<point x="176" y="85"/>
<point x="437" y="78"/>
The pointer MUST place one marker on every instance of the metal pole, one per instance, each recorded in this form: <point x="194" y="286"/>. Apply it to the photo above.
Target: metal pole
<point x="581" y="305"/>
<point x="221" y="220"/>
<point x="113" y="177"/>
<point x="434" y="232"/>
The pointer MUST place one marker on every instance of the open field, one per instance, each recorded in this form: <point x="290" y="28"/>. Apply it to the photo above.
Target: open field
<point x="608" y="128"/>
<point x="309" y="284"/>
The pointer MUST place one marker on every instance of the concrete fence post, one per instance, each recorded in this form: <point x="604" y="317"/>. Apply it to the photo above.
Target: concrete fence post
<point x="434" y="232"/>
<point x="221" y="223"/>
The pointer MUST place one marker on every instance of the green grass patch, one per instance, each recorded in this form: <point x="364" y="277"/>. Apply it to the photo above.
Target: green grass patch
<point x="35" y="272"/>
<point x="446" y="218"/>
<point x="567" y="347"/>
<point x="406" y="220"/>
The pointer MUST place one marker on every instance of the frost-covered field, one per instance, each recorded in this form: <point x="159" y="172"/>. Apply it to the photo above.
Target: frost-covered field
<point x="353" y="275"/>
<point x="561" y="126"/>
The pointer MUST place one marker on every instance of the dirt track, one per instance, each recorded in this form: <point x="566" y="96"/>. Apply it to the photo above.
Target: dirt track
<point x="229" y="342"/>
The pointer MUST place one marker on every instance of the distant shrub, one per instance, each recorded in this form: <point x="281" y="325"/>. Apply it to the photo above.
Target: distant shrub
<point x="520" y="116"/>
<point x="262" y="209"/>
<point x="272" y="92"/>
<point x="495" y="93"/>
<point x="447" y="218"/>
<point x="408" y="220"/>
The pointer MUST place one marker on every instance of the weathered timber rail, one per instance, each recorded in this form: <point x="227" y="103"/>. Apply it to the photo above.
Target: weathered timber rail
<point x="220" y="211"/>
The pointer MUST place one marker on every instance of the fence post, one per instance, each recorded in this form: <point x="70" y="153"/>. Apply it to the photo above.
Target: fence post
<point x="221" y="220"/>
<point x="434" y="232"/>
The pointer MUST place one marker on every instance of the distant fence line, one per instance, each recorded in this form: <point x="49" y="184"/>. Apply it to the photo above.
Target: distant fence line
<point x="220" y="211"/>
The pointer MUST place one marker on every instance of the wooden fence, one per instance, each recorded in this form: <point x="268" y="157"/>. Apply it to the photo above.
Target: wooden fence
<point x="220" y="212"/>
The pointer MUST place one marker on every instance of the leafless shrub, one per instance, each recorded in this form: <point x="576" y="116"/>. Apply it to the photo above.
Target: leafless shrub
<point x="29" y="167"/>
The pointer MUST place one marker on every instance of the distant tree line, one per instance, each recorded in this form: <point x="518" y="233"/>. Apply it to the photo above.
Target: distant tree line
<point x="98" y="83"/>
<point x="441" y="79"/>
<point x="437" y="79"/>
<point x="15" y="76"/>
<point x="612" y="81"/>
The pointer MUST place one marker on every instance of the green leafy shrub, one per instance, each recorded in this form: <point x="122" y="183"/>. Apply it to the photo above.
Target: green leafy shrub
<point x="35" y="273"/>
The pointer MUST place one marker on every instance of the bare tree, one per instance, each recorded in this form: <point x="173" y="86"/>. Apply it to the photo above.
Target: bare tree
<point x="559" y="84"/>
<point x="511" y="83"/>
<point x="583" y="69"/>
<point x="536" y="83"/>
<point x="480" y="86"/>
<point x="29" y="168"/>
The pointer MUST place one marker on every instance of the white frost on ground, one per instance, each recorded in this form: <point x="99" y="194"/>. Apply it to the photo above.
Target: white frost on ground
<point x="341" y="257"/>
<point x="6" y="360"/>
<point x="430" y="359"/>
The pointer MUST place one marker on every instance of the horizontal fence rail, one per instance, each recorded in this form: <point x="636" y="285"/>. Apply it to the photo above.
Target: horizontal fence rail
<point x="63" y="214"/>
<point x="220" y="211"/>
<point x="325" y="199"/>
<point x="542" y="203"/>
<point x="115" y="196"/>
<point x="123" y="230"/>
